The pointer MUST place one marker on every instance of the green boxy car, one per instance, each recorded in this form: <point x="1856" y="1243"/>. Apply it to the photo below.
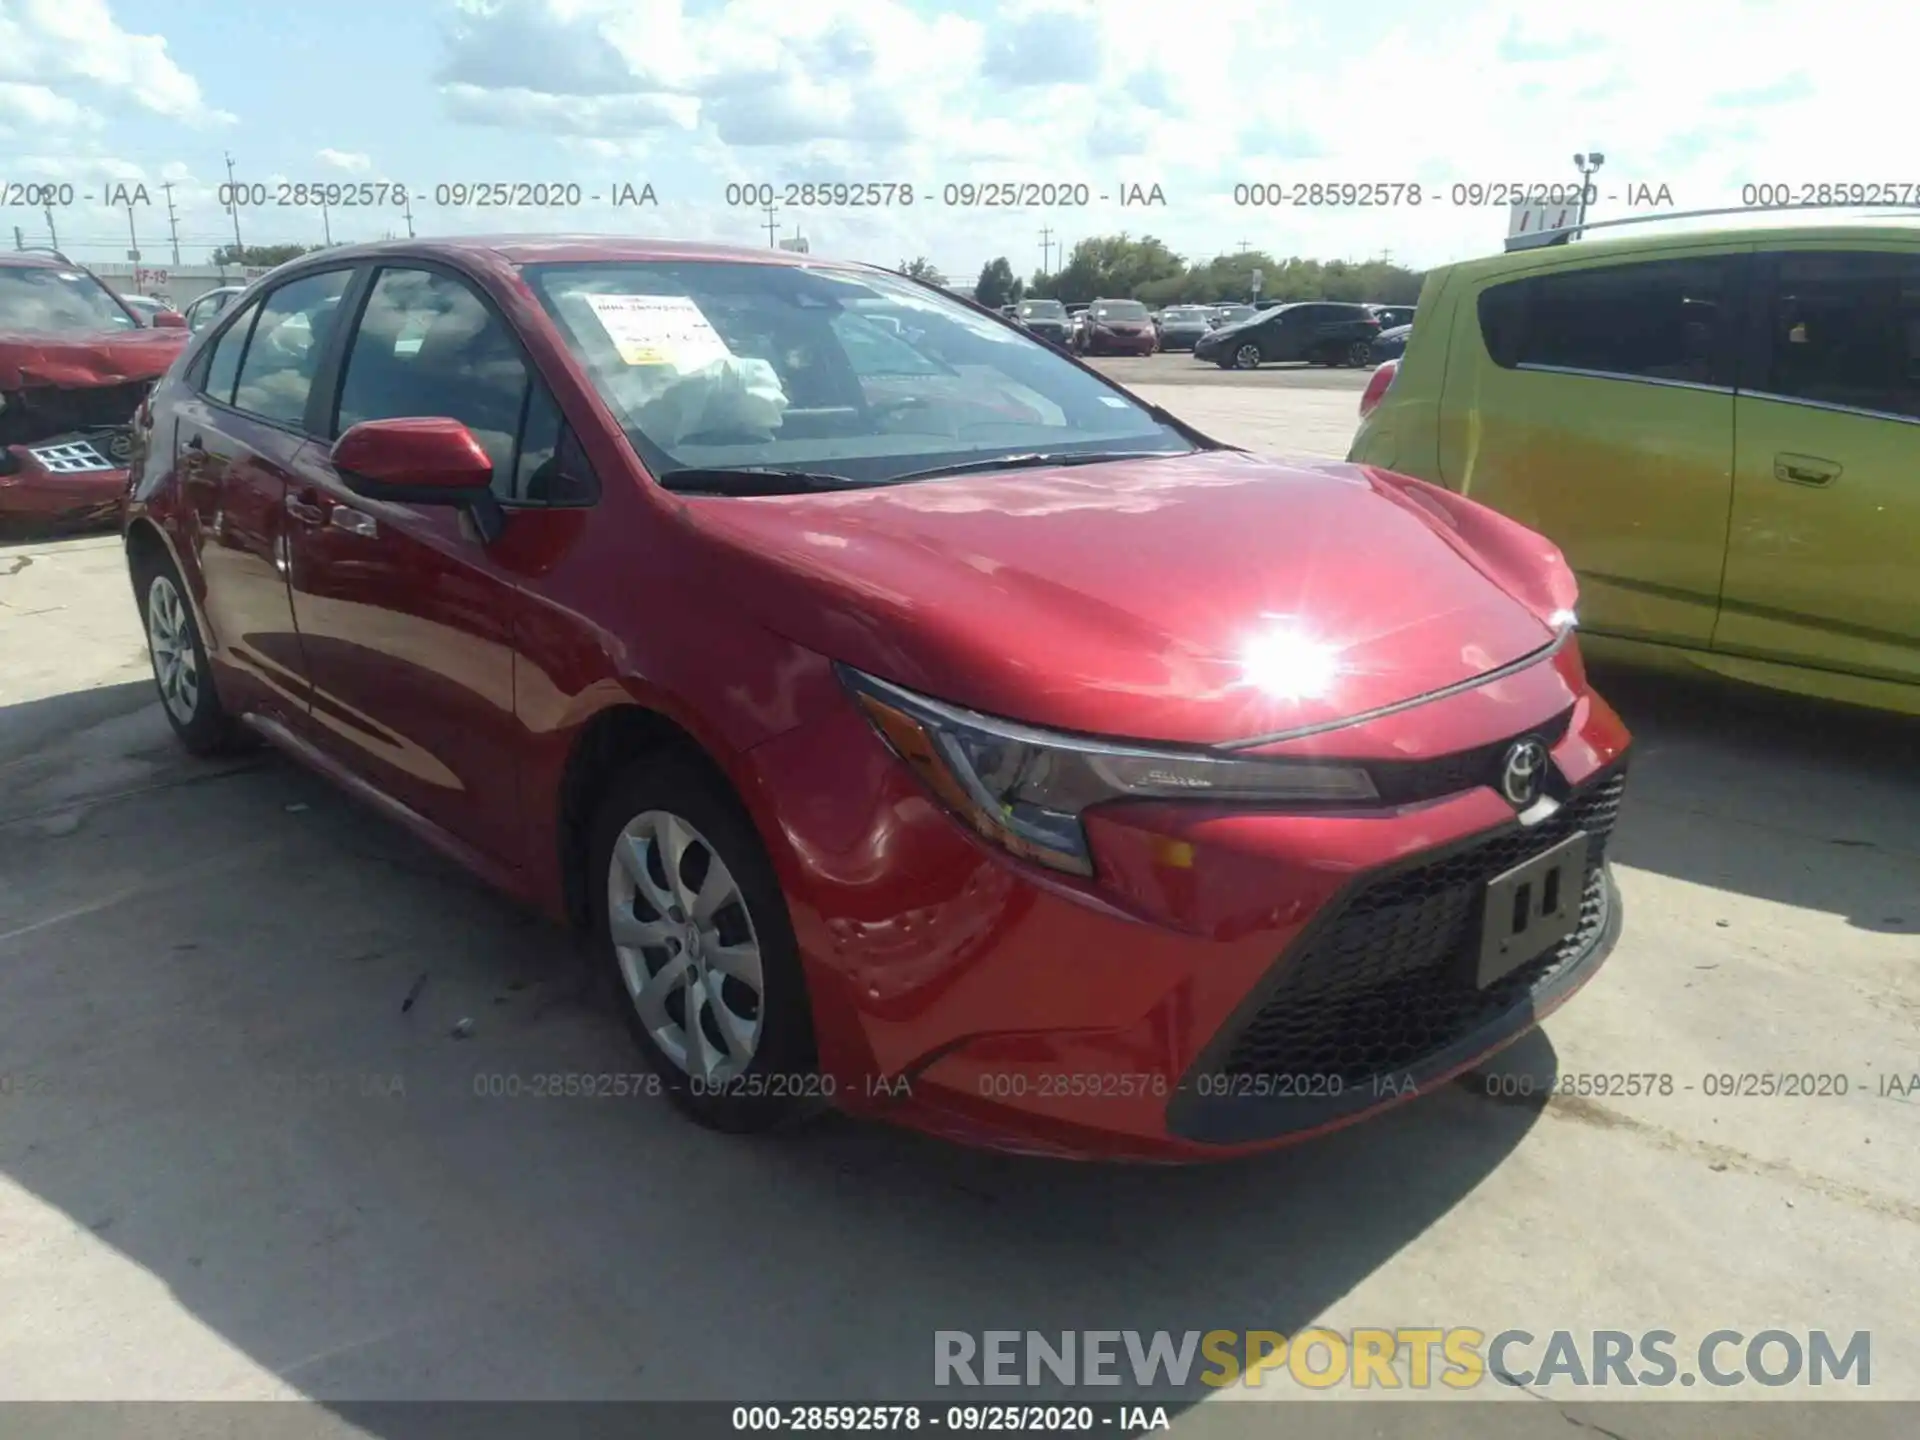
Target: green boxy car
<point x="1721" y="430"/>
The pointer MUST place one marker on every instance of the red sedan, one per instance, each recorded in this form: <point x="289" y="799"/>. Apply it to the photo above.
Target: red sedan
<point x="916" y="721"/>
<point x="1117" y="327"/>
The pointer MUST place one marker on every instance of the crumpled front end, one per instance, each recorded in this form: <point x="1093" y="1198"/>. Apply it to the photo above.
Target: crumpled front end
<point x="65" y="451"/>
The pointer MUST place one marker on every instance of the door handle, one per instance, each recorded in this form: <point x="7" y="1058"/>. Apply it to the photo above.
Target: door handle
<point x="305" y="510"/>
<point x="354" y="522"/>
<point x="1805" y="470"/>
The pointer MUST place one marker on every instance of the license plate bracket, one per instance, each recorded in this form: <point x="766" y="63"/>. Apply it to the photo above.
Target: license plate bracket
<point x="1530" y="909"/>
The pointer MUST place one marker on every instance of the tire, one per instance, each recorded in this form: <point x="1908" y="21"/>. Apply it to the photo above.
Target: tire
<point x="1360" y="355"/>
<point x="1247" y="357"/>
<point x="179" y="659"/>
<point x="768" y="1075"/>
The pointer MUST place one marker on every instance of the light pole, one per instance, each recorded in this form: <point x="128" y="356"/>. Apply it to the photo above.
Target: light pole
<point x="1588" y="165"/>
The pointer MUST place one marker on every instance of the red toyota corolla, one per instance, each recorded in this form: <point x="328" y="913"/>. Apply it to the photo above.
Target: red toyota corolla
<point x="918" y="722"/>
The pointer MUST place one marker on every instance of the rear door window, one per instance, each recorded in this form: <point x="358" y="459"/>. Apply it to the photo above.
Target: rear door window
<point x="223" y="364"/>
<point x="1655" y="320"/>
<point x="1843" y="328"/>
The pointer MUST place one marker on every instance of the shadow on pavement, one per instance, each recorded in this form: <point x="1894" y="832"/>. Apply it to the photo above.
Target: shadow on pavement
<point x="1785" y="799"/>
<point x="211" y="1073"/>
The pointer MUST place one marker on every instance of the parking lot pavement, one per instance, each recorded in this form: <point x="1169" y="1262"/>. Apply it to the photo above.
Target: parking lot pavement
<point x="1302" y="410"/>
<point x="231" y="1166"/>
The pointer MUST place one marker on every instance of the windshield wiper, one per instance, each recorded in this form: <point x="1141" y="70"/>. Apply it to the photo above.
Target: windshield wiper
<point x="1037" y="459"/>
<point x="747" y="480"/>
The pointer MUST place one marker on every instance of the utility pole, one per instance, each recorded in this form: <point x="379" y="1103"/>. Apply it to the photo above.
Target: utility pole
<point x="770" y="227"/>
<point x="326" y="223"/>
<point x="133" y="239"/>
<point x="173" y="221"/>
<point x="233" y="208"/>
<point x="53" y="235"/>
<point x="1046" y="250"/>
<point x="406" y="201"/>
<point x="1588" y="164"/>
<point x="1244" y="247"/>
<point x="19" y="239"/>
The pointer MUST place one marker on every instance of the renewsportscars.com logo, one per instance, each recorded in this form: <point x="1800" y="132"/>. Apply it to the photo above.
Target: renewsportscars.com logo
<point x="1415" y="1358"/>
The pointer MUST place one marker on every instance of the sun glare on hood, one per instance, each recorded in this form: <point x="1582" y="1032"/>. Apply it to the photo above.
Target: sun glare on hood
<point x="1282" y="663"/>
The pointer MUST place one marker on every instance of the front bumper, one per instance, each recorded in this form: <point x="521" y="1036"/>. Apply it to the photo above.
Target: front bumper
<point x="66" y="478"/>
<point x="1095" y="344"/>
<point x="1234" y="982"/>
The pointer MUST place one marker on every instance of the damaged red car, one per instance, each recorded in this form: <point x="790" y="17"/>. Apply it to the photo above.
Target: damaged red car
<point x="75" y="364"/>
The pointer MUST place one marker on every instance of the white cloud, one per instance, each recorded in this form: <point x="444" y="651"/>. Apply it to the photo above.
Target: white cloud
<point x="42" y="109"/>
<point x="48" y="42"/>
<point x="696" y="94"/>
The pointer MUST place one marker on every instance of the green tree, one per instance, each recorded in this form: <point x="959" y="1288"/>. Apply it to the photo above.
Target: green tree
<point x="1114" y="267"/>
<point x="998" y="285"/>
<point x="921" y="268"/>
<point x="1117" y="267"/>
<point x="261" y="254"/>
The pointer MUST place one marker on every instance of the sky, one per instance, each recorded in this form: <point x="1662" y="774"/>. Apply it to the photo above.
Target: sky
<point x="1690" y="101"/>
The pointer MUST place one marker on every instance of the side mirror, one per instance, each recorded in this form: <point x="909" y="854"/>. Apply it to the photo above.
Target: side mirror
<point x="168" y="320"/>
<point x="421" y="460"/>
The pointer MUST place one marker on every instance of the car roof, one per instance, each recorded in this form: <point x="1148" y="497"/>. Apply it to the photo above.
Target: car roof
<point x="33" y="259"/>
<point x="1659" y="240"/>
<point x="562" y="248"/>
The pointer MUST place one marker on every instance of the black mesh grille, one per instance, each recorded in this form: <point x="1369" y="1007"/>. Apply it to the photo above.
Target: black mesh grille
<point x="1405" y="782"/>
<point x="1388" y="981"/>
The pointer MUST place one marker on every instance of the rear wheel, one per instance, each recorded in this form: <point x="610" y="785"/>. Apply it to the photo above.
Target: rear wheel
<point x="1360" y="354"/>
<point x="179" y="657"/>
<point x="691" y="920"/>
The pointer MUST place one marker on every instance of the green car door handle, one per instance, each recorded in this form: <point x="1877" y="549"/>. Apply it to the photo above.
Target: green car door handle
<point x="1805" y="470"/>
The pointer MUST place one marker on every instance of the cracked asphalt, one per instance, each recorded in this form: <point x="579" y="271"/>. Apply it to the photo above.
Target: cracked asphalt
<point x="233" y="1166"/>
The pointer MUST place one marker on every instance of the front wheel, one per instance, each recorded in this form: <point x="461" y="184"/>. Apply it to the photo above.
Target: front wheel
<point x="692" y="922"/>
<point x="180" y="670"/>
<point x="1247" y="357"/>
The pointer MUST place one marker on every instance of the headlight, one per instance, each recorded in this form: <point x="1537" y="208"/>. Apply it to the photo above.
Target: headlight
<point x="1026" y="789"/>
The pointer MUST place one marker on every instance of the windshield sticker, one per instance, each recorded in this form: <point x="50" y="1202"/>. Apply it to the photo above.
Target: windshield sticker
<point x="659" y="330"/>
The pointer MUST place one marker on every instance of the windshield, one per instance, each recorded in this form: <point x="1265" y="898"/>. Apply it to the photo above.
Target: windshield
<point x="1119" y="310"/>
<point x="1042" y="310"/>
<point x="848" y="373"/>
<point x="1184" y="317"/>
<point x="1234" y="314"/>
<point x="47" y="300"/>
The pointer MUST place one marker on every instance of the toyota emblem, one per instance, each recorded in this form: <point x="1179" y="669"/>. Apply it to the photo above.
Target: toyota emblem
<point x="1522" y="772"/>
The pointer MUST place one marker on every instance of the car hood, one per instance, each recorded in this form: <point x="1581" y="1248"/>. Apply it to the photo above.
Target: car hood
<point x="105" y="359"/>
<point x="1197" y="599"/>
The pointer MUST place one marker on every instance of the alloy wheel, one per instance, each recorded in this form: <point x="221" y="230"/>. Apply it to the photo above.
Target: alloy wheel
<point x="686" y="946"/>
<point x="1360" y="354"/>
<point x="1247" y="357"/>
<point x="176" y="664"/>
